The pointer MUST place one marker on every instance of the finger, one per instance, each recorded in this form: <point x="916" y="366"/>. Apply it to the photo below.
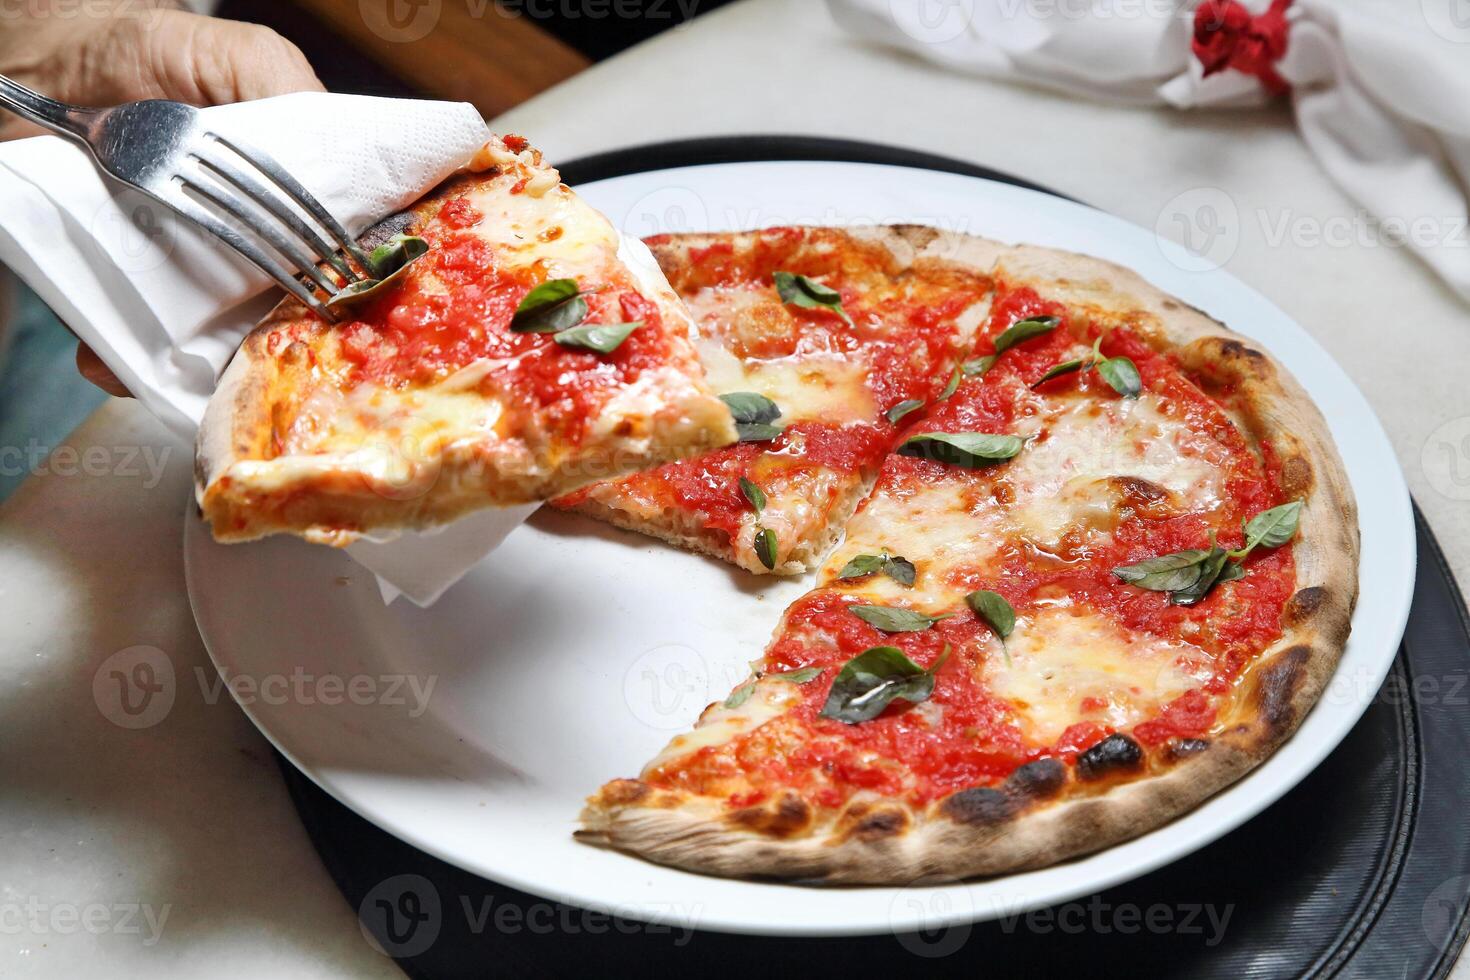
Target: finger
<point x="98" y="373"/>
<point x="205" y="61"/>
<point x="199" y="60"/>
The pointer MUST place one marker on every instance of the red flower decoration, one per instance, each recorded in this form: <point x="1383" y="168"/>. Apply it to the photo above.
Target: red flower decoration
<point x="1227" y="35"/>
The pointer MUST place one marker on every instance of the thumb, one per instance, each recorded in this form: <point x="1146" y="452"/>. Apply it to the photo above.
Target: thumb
<point x="206" y="61"/>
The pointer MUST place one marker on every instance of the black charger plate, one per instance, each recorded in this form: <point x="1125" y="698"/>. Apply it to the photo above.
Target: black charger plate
<point x="1363" y="870"/>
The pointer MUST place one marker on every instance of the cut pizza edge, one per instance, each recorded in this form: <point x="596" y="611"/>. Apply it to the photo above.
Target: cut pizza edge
<point x="1046" y="810"/>
<point x="801" y="540"/>
<point x="393" y="481"/>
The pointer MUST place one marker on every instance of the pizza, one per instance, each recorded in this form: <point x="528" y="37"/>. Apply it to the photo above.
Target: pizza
<point x="510" y="347"/>
<point x="1102" y="580"/>
<point x="821" y="340"/>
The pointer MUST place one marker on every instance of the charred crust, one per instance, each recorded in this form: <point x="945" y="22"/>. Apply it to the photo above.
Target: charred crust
<point x="1039" y="780"/>
<point x="623" y="792"/>
<point x="979" y="805"/>
<point x="1231" y="349"/>
<point x="1183" y="748"/>
<point x="790" y="815"/>
<point x="1296" y="476"/>
<point x="1113" y="755"/>
<point x="1300" y="607"/>
<point x="876" y="823"/>
<point x="1278" y="685"/>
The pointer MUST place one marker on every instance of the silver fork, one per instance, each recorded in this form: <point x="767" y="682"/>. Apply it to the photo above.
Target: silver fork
<point x="166" y="150"/>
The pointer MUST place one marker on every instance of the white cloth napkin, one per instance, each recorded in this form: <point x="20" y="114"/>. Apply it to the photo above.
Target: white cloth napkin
<point x="1379" y="88"/>
<point x="166" y="306"/>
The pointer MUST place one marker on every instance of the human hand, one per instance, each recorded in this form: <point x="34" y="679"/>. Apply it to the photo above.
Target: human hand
<point x="102" y="54"/>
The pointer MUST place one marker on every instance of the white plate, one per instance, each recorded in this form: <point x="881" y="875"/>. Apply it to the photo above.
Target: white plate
<point x="575" y="651"/>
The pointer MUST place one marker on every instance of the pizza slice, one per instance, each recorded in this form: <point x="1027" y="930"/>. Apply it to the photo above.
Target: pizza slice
<point x="1100" y="582"/>
<point x="520" y="350"/>
<point x="821" y="340"/>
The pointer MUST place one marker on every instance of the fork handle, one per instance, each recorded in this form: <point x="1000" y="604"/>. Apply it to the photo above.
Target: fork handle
<point x="66" y="120"/>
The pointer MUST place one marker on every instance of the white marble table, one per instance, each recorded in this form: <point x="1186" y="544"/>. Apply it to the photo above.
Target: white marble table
<point x="103" y="826"/>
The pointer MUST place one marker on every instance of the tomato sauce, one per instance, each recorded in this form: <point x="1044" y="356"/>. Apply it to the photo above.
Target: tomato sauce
<point x="456" y="309"/>
<point x="964" y="735"/>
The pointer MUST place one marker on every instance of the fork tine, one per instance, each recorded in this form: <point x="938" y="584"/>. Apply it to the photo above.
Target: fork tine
<point x="297" y="193"/>
<point x="271" y="202"/>
<point x="251" y="253"/>
<point x="291" y="251"/>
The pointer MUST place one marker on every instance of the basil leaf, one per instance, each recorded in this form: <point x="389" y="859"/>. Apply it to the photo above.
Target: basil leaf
<point x="757" y="431"/>
<point x="556" y="304"/>
<point x="741" y="694"/>
<point x="1231" y="572"/>
<point x="903" y="408"/>
<point x="971" y="449"/>
<point x="395" y="254"/>
<point x="978" y="365"/>
<point x="1122" y="374"/>
<point x="603" y="338"/>
<point x="749" y="407"/>
<point x="389" y="262"/>
<point x="1168" y="573"/>
<point x="765" y="547"/>
<point x="1272" y="528"/>
<point x="890" y="619"/>
<point x="754" y="494"/>
<point x="862" y="565"/>
<point x="1025" y="329"/>
<point x="952" y="386"/>
<point x="871" y="681"/>
<point x="797" y="290"/>
<point x="901" y="570"/>
<point x="1057" y="370"/>
<point x="1210" y="571"/>
<point x="993" y="608"/>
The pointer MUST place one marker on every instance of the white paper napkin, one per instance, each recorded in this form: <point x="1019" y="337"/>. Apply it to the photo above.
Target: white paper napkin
<point x="165" y="306"/>
<point x="1379" y="89"/>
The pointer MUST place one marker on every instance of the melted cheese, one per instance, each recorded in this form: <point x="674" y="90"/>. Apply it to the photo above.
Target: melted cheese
<point x="1088" y="440"/>
<point x="555" y="231"/>
<point x="812" y="387"/>
<point x="720" y="724"/>
<point x="1059" y="656"/>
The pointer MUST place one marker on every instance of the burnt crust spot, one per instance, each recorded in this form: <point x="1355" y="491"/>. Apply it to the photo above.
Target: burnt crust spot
<point x="979" y="805"/>
<point x="1300" y="607"/>
<point x="1114" y="754"/>
<point x="880" y="822"/>
<point x="1185" y="747"/>
<point x="1278" y="684"/>
<point x="1038" y="780"/>
<point x="1233" y="350"/>
<point x="1296" y="476"/>
<point x="790" y="815"/>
